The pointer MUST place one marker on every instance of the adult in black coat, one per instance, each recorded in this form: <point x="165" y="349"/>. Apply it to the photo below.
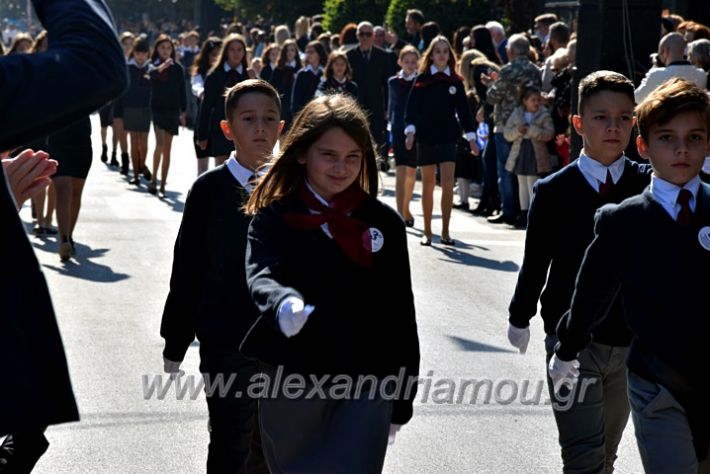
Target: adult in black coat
<point x="372" y="66"/>
<point x="85" y="56"/>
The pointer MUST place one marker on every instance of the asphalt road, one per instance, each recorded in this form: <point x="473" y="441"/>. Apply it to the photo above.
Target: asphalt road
<point x="109" y="302"/>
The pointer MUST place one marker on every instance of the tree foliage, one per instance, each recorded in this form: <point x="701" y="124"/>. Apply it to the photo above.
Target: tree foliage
<point x="338" y="13"/>
<point x="280" y="10"/>
<point x="449" y="14"/>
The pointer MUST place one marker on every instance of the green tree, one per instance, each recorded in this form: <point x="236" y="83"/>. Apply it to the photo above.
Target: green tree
<point x="338" y="13"/>
<point x="449" y="14"/>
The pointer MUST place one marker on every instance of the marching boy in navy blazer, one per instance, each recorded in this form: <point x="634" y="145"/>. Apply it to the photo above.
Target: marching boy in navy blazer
<point x="560" y="227"/>
<point x="663" y="280"/>
<point x="208" y="290"/>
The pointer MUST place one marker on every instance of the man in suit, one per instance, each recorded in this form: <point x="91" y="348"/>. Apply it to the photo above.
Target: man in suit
<point x="85" y="56"/>
<point x="372" y="66"/>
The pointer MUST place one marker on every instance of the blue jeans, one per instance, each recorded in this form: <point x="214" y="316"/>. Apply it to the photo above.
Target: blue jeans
<point x="507" y="183"/>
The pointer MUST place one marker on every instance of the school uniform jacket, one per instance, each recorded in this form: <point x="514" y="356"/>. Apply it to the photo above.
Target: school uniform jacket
<point x="331" y="86"/>
<point x="138" y="93"/>
<point x="663" y="281"/>
<point x="212" y="107"/>
<point x="282" y="79"/>
<point x="168" y="91"/>
<point x="304" y="88"/>
<point x="438" y="108"/>
<point x="208" y="295"/>
<point x="560" y="227"/>
<point x="349" y="332"/>
<point x="398" y="92"/>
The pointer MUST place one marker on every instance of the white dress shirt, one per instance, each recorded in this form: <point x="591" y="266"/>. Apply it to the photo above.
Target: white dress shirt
<point x="595" y="172"/>
<point x="228" y="68"/>
<point x="666" y="194"/>
<point x="240" y="172"/>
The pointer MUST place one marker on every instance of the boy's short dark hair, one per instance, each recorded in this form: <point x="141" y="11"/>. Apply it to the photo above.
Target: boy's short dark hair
<point x="141" y="45"/>
<point x="416" y="15"/>
<point x="233" y="94"/>
<point x="599" y="81"/>
<point x="526" y="90"/>
<point x="546" y="19"/>
<point x="671" y="98"/>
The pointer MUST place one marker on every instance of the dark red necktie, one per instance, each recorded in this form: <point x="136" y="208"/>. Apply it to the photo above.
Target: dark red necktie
<point x="685" y="214"/>
<point x="606" y="186"/>
<point x="233" y="77"/>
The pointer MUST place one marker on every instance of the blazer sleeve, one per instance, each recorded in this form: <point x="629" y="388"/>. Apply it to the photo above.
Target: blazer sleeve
<point x="84" y="56"/>
<point x="598" y="284"/>
<point x="411" y="114"/>
<point x="266" y="264"/>
<point x="177" y="326"/>
<point x="298" y="96"/>
<point x="408" y="345"/>
<point x="208" y="103"/>
<point x="463" y="110"/>
<point x="182" y="90"/>
<point x="537" y="257"/>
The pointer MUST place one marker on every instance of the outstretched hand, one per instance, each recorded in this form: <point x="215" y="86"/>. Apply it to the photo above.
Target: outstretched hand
<point x="27" y="173"/>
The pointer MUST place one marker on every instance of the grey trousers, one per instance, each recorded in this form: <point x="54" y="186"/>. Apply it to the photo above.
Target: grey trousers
<point x="591" y="418"/>
<point x="324" y="436"/>
<point x="664" y="438"/>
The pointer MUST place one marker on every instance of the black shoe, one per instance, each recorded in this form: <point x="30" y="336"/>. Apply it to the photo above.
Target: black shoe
<point x="481" y="210"/>
<point x="124" y="164"/>
<point x="522" y="221"/>
<point x="463" y="206"/>
<point x="425" y="241"/>
<point x="135" y="181"/>
<point x="104" y="153"/>
<point x="114" y="161"/>
<point x="448" y="241"/>
<point x="501" y="219"/>
<point x="146" y="173"/>
<point x="409" y="222"/>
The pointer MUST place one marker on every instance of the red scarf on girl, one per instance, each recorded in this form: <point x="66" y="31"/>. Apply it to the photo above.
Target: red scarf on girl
<point x="351" y="235"/>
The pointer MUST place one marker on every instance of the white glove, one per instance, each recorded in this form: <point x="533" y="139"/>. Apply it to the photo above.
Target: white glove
<point x="393" y="433"/>
<point x="563" y="373"/>
<point x="519" y="338"/>
<point x="292" y="315"/>
<point x="173" y="368"/>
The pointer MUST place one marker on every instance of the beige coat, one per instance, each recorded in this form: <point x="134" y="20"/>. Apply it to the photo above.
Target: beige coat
<point x="540" y="132"/>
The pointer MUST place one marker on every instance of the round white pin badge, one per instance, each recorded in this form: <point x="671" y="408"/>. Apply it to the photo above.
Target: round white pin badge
<point x="452" y="90"/>
<point x="704" y="237"/>
<point x="373" y="239"/>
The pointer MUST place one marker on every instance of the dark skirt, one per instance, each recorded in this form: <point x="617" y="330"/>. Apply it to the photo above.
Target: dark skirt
<point x="324" y="436"/>
<point x="168" y="120"/>
<point x="219" y="145"/>
<point x="526" y="164"/>
<point x="106" y="115"/>
<point x="136" y="119"/>
<point x="435" y="154"/>
<point x="71" y="147"/>
<point x="402" y="156"/>
<point x="118" y="109"/>
<point x="199" y="152"/>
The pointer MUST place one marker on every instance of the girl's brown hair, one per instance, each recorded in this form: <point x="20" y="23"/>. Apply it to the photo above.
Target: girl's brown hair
<point x="267" y="52"/>
<point x="283" y="54"/>
<point x="428" y="61"/>
<point x="163" y="38"/>
<point x="285" y="173"/>
<point x="334" y="56"/>
<point x="203" y="63"/>
<point x="232" y="38"/>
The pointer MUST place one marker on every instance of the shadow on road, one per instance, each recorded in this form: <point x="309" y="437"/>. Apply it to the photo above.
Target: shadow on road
<point x="474" y="346"/>
<point x="456" y="255"/>
<point x="81" y="266"/>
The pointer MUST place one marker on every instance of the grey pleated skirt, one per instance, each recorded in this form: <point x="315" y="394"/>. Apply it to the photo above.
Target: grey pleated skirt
<point x="324" y="436"/>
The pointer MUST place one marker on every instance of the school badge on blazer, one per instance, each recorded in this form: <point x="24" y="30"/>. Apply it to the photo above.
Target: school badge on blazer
<point x="373" y="240"/>
<point x="704" y="237"/>
<point x="452" y="90"/>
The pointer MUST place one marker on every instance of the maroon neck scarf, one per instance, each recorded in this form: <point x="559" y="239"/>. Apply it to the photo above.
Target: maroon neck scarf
<point x="351" y="235"/>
